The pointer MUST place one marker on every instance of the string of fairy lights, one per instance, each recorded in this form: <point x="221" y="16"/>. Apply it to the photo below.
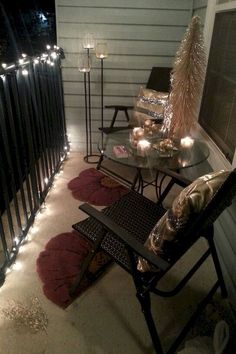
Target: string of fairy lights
<point x="49" y="57"/>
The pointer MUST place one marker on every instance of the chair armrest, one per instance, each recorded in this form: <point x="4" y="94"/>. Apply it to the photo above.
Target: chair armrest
<point x="125" y="236"/>
<point x="176" y="177"/>
<point x="119" y="107"/>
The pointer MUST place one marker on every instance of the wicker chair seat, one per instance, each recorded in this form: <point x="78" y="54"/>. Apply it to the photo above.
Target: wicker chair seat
<point x="138" y="221"/>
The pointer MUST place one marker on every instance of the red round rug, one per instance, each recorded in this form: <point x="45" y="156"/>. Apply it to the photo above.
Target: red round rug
<point x="60" y="263"/>
<point x="94" y="187"/>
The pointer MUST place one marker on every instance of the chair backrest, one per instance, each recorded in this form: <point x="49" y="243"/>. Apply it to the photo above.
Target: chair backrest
<point x="159" y="79"/>
<point x="204" y="221"/>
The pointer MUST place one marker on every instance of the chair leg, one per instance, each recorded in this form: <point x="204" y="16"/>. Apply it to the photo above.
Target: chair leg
<point x="127" y="115"/>
<point x="114" y="118"/>
<point x="145" y="302"/>
<point x="218" y="269"/>
<point x="87" y="262"/>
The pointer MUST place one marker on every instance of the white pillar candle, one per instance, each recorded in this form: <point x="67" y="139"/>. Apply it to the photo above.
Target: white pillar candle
<point x="186" y="142"/>
<point x="143" y="146"/>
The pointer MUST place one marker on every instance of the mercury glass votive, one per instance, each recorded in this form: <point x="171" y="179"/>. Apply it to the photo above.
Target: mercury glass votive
<point x="101" y="50"/>
<point x="88" y="41"/>
<point x="84" y="64"/>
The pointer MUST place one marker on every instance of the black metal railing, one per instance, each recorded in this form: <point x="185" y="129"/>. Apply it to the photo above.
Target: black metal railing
<point x="33" y="144"/>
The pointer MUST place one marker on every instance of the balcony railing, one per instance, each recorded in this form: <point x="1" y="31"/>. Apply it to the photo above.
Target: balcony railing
<point x="33" y="144"/>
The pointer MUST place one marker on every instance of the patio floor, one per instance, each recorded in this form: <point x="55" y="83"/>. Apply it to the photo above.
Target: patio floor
<point x="106" y="318"/>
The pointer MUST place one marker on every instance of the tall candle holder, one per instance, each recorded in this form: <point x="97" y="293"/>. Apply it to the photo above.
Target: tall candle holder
<point x="101" y="53"/>
<point x="88" y="44"/>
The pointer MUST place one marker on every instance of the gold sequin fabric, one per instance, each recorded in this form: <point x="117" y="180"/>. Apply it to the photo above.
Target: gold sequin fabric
<point x="189" y="202"/>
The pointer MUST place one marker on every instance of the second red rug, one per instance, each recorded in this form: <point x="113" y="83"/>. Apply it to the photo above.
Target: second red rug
<point x="94" y="187"/>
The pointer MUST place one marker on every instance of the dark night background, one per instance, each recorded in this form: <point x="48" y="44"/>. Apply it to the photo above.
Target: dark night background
<point x="27" y="26"/>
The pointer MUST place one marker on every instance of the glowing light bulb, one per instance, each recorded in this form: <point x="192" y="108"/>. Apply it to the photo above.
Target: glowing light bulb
<point x="21" y="61"/>
<point x="36" y="61"/>
<point x="16" y="240"/>
<point x="48" y="47"/>
<point x="25" y="72"/>
<point x="24" y="55"/>
<point x="54" y="55"/>
<point x="46" y="180"/>
<point x="34" y="229"/>
<point x="17" y="266"/>
<point x="4" y="65"/>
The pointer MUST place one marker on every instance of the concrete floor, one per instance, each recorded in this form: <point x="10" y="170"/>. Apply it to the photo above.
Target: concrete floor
<point x="106" y="319"/>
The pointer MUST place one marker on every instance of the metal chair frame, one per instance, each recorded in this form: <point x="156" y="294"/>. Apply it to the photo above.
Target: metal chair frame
<point x="120" y="230"/>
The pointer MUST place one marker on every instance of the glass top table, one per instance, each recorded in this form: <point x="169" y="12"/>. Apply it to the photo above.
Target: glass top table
<point x="179" y="158"/>
<point x="153" y="159"/>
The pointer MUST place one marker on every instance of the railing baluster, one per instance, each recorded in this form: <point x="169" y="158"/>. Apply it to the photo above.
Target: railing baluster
<point x="32" y="141"/>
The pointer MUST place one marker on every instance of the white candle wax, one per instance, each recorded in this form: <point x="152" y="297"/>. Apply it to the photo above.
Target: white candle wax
<point x="143" y="147"/>
<point x="186" y="142"/>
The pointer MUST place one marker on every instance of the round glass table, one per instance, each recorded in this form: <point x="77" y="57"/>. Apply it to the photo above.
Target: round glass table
<point x="117" y="147"/>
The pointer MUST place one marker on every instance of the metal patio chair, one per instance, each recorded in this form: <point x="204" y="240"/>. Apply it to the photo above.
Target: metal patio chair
<point x="122" y="229"/>
<point x="159" y="80"/>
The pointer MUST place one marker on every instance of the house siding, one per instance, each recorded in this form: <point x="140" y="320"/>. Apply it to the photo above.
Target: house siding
<point x="225" y="226"/>
<point x="199" y="9"/>
<point x="139" y="36"/>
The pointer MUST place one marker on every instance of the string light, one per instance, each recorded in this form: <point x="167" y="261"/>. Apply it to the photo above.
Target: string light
<point x="19" y="241"/>
<point x="16" y="240"/>
<point x="17" y="266"/>
<point x="24" y="59"/>
<point x="54" y="55"/>
<point x="10" y="66"/>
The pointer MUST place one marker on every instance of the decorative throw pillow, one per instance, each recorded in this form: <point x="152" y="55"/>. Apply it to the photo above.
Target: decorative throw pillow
<point x="190" y="202"/>
<point x="149" y="105"/>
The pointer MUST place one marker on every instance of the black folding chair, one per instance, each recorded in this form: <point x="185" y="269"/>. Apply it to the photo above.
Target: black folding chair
<point x="122" y="229"/>
<point x="158" y="80"/>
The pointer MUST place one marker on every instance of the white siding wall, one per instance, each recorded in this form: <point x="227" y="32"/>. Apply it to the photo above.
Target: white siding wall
<point x="226" y="225"/>
<point x="199" y="8"/>
<point x="139" y="35"/>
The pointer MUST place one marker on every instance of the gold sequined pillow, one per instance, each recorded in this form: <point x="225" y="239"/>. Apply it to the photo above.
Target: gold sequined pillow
<point x="190" y="201"/>
<point x="149" y="105"/>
